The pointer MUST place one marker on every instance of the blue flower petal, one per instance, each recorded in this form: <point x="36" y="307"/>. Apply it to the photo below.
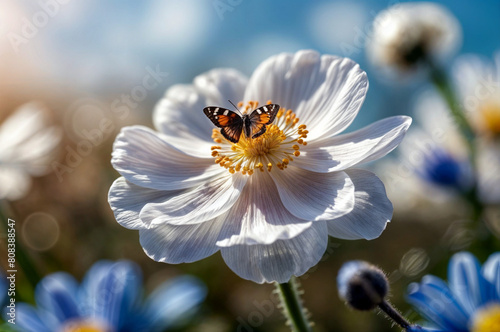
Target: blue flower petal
<point x="443" y="169"/>
<point x="28" y="320"/>
<point x="491" y="272"/>
<point x="466" y="281"/>
<point x="56" y="294"/>
<point x="111" y="291"/>
<point x="434" y="300"/>
<point x="416" y="328"/>
<point x="470" y="289"/>
<point x="174" y="301"/>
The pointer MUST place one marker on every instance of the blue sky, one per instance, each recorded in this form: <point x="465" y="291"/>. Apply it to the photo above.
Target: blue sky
<point x="103" y="47"/>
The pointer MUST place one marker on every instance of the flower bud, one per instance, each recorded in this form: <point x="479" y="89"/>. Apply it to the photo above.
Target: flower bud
<point x="362" y="285"/>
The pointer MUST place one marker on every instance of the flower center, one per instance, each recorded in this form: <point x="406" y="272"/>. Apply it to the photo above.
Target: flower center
<point x="487" y="319"/>
<point x="85" y="325"/>
<point x="490" y="114"/>
<point x="443" y="169"/>
<point x="276" y="148"/>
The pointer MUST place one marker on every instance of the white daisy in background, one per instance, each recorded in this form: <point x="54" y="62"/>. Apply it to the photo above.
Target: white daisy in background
<point x="433" y="168"/>
<point x="478" y="82"/>
<point x="408" y="34"/>
<point x="28" y="144"/>
<point x="267" y="204"/>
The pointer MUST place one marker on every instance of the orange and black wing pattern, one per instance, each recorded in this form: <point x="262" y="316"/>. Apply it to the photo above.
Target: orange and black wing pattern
<point x="230" y="122"/>
<point x="259" y="119"/>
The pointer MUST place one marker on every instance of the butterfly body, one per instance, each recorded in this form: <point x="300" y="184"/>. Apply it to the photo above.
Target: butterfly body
<point x="232" y="124"/>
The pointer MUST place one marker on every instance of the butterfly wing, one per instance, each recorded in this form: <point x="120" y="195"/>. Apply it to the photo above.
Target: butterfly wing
<point x="260" y="118"/>
<point x="230" y="122"/>
<point x="232" y="133"/>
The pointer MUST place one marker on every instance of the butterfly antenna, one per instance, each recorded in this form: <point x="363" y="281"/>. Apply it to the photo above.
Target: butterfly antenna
<point x="234" y="105"/>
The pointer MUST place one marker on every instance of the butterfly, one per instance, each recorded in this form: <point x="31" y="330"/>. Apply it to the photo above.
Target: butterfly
<point x="232" y="124"/>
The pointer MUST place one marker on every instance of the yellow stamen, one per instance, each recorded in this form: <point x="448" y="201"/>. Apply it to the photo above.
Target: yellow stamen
<point x="84" y="326"/>
<point x="490" y="114"/>
<point x="487" y="319"/>
<point x="276" y="147"/>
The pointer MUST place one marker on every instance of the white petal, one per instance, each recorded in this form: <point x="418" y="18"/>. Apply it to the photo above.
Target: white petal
<point x="259" y="217"/>
<point x="280" y="260"/>
<point x="341" y="152"/>
<point x="36" y="154"/>
<point x="145" y="159"/>
<point x="326" y="92"/>
<point x="179" y="115"/>
<point x="126" y="200"/>
<point x="488" y="166"/>
<point x="199" y="204"/>
<point x="15" y="183"/>
<point x="432" y="112"/>
<point x="27" y="141"/>
<point x="473" y="75"/>
<point x="372" y="209"/>
<point x="181" y="243"/>
<point x="219" y="85"/>
<point x="315" y="196"/>
<point x="26" y="121"/>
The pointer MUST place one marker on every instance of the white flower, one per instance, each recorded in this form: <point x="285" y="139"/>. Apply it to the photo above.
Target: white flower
<point x="478" y="81"/>
<point x="28" y="145"/>
<point x="407" y="34"/>
<point x="433" y="167"/>
<point x="271" y="206"/>
<point x="479" y="86"/>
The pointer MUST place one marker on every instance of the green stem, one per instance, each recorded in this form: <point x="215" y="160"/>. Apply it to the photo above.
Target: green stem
<point x="292" y="307"/>
<point x="442" y="84"/>
<point x="476" y="205"/>
<point x="22" y="257"/>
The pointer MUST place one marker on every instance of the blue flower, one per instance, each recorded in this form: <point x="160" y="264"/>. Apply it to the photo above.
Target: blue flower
<point x="470" y="301"/>
<point x="443" y="169"/>
<point x="416" y="328"/>
<point x="110" y="300"/>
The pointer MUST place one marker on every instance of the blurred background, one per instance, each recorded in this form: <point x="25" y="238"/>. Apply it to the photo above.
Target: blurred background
<point x="82" y="57"/>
